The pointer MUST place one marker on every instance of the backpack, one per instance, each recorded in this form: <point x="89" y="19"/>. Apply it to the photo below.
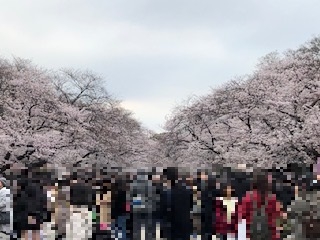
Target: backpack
<point x="138" y="202"/>
<point x="311" y="224"/>
<point x="309" y="209"/>
<point x="139" y="197"/>
<point x="311" y="228"/>
<point x="259" y="227"/>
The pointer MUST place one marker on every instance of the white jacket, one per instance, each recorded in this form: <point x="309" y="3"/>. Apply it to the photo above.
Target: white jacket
<point x="5" y="200"/>
<point x="6" y="206"/>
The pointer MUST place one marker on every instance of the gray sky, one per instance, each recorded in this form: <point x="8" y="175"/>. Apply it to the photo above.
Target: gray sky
<point x="154" y="54"/>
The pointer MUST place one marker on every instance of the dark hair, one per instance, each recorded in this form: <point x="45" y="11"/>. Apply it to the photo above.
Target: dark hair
<point x="226" y="182"/>
<point x="260" y="183"/>
<point x="171" y="174"/>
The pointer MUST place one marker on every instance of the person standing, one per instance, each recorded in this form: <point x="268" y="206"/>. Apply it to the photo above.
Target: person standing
<point x="226" y="213"/>
<point x="304" y="213"/>
<point x="5" y="208"/>
<point x="63" y="207"/>
<point x="49" y="230"/>
<point x="157" y="217"/>
<point x="29" y="205"/>
<point x="261" y="210"/>
<point x="166" y="203"/>
<point x="142" y="196"/>
<point x="118" y="207"/>
<point x="103" y="198"/>
<point x="81" y="199"/>
<point x="205" y="185"/>
<point x="182" y="201"/>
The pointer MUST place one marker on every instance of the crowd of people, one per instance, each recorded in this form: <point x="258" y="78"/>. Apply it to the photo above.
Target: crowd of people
<point x="218" y="202"/>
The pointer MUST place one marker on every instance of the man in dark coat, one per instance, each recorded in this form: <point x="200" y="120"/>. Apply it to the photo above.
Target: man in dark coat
<point x="182" y="205"/>
<point x="206" y="186"/>
<point x="166" y="205"/>
<point x="29" y="205"/>
<point x="180" y="200"/>
<point x="118" y="206"/>
<point x="158" y="197"/>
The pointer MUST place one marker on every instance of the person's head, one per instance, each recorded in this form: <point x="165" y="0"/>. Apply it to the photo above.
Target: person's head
<point x="316" y="169"/>
<point x="3" y="182"/>
<point x="190" y="180"/>
<point x="260" y="182"/>
<point x="228" y="190"/>
<point x="171" y="174"/>
<point x="157" y="175"/>
<point x="156" y="178"/>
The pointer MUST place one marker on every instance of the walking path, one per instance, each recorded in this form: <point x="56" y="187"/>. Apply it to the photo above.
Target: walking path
<point x="48" y="234"/>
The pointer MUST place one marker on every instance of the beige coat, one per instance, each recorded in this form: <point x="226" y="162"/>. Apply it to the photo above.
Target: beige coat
<point x="300" y="206"/>
<point x="104" y="201"/>
<point x="62" y="213"/>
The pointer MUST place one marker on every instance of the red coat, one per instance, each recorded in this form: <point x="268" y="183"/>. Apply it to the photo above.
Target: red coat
<point x="222" y="226"/>
<point x="272" y="209"/>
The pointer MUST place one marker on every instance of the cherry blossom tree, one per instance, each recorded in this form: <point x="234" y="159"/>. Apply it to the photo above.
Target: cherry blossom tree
<point x="65" y="116"/>
<point x="270" y="116"/>
<point x="119" y="136"/>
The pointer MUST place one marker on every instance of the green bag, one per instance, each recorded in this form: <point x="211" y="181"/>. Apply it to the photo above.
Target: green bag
<point x="287" y="228"/>
<point x="94" y="215"/>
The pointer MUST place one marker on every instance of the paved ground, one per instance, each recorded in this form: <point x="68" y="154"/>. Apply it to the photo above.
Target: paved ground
<point x="48" y="234"/>
<point x="4" y="237"/>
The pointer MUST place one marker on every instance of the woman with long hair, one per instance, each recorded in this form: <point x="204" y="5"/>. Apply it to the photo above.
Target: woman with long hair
<point x="226" y="213"/>
<point x="260" y="209"/>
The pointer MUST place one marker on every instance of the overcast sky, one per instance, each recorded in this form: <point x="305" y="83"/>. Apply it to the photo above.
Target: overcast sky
<point x="154" y="54"/>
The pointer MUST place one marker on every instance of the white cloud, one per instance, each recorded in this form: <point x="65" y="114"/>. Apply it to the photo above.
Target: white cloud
<point x="114" y="40"/>
<point x="151" y="112"/>
<point x="133" y="40"/>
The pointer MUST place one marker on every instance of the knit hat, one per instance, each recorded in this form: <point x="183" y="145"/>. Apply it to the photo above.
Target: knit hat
<point x="3" y="181"/>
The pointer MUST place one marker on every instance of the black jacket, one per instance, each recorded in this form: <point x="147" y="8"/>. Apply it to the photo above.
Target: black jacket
<point x="118" y="202"/>
<point x="81" y="195"/>
<point x="30" y="200"/>
<point x="160" y="199"/>
<point x="208" y="194"/>
<point x="181" y="205"/>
